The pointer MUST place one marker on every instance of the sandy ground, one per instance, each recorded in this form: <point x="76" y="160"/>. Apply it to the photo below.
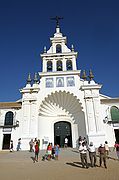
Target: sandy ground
<point x="20" y="166"/>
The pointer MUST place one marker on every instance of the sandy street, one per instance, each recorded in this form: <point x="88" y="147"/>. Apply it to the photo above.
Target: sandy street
<point x="20" y="166"/>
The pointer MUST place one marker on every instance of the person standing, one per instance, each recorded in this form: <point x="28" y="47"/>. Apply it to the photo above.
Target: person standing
<point x="102" y="155"/>
<point x="80" y="140"/>
<point x="19" y="144"/>
<point x="11" y="146"/>
<point x="83" y="155"/>
<point x="66" y="142"/>
<point x="49" y="151"/>
<point x="106" y="148"/>
<point x="31" y="144"/>
<point x="56" y="151"/>
<point x="92" y="154"/>
<point x="36" y="152"/>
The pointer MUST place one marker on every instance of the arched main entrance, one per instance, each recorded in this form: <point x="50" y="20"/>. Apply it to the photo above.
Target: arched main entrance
<point x="62" y="130"/>
<point x="63" y="107"/>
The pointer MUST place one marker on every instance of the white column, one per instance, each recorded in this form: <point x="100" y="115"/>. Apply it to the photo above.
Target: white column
<point x="74" y="135"/>
<point x="54" y="65"/>
<point x="64" y="64"/>
<point x="26" y="117"/>
<point x="90" y="116"/>
<point x="33" y="120"/>
<point x="96" y="105"/>
<point x="53" y="48"/>
<point x="74" y="63"/>
<point x="44" y="65"/>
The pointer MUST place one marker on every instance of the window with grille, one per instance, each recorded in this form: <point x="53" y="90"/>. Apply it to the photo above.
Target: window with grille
<point x="114" y="114"/>
<point x="9" y="118"/>
<point x="58" y="48"/>
<point x="49" y="66"/>
<point x="59" y="65"/>
<point x="69" y="64"/>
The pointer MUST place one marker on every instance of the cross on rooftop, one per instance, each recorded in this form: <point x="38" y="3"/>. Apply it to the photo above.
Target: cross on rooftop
<point x="57" y="18"/>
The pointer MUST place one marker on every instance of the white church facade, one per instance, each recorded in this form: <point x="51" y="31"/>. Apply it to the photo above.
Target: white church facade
<point x="63" y="103"/>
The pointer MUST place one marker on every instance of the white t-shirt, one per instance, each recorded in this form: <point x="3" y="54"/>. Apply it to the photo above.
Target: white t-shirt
<point x="106" y="147"/>
<point x="66" y="140"/>
<point x="91" y="148"/>
<point x="82" y="149"/>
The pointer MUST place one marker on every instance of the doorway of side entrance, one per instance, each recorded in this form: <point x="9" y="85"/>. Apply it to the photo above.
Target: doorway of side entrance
<point x="117" y="135"/>
<point x="6" y="141"/>
<point x="62" y="130"/>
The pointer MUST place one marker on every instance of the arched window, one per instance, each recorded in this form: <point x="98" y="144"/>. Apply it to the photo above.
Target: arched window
<point x="69" y="64"/>
<point x="114" y="114"/>
<point x="59" y="65"/>
<point x="58" y="48"/>
<point x="9" y="118"/>
<point x="49" y="66"/>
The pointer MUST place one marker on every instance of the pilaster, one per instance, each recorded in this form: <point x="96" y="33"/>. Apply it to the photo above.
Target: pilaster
<point x="64" y="64"/>
<point x="44" y="65"/>
<point x="92" y="103"/>
<point x="74" y="63"/>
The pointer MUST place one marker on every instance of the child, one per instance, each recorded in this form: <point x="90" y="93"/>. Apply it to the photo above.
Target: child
<point x="56" y="151"/>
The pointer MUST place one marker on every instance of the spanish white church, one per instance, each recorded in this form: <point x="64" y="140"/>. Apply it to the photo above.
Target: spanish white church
<point x="61" y="102"/>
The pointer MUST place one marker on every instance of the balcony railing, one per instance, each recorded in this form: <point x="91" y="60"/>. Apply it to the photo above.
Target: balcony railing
<point x="15" y="124"/>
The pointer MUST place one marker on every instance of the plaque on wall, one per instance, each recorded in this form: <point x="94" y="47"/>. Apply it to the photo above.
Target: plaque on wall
<point x="7" y="129"/>
<point x="49" y="83"/>
<point x="59" y="82"/>
<point x="70" y="81"/>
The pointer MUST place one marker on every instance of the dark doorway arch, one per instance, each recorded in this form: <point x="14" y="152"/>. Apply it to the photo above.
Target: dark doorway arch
<point x="6" y="141"/>
<point x="62" y="130"/>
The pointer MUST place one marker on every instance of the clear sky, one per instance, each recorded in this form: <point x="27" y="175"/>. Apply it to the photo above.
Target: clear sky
<point x="92" y="26"/>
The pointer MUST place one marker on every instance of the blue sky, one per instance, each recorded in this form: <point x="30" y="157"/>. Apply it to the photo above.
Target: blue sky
<point x="25" y="28"/>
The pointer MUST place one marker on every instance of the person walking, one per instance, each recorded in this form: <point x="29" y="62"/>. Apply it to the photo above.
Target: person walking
<point x="83" y="155"/>
<point x="102" y="155"/>
<point x="11" y="146"/>
<point x="36" y="152"/>
<point x="92" y="154"/>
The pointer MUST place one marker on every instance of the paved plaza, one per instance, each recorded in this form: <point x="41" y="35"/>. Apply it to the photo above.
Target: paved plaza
<point x="20" y="166"/>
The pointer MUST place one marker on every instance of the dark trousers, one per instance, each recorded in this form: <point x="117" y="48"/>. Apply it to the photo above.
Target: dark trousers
<point x="84" y="159"/>
<point x="103" y="159"/>
<point x="92" y="156"/>
<point x="36" y="156"/>
<point x="31" y="148"/>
